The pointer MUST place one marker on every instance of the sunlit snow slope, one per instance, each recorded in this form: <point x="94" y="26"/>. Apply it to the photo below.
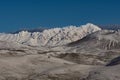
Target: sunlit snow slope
<point x="51" y="37"/>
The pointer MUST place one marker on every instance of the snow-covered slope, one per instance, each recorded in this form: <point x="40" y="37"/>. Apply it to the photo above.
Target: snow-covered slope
<point x="97" y="48"/>
<point x="51" y="37"/>
<point x="104" y="39"/>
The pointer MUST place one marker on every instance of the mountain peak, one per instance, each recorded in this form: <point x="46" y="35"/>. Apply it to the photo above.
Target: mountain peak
<point x="92" y="25"/>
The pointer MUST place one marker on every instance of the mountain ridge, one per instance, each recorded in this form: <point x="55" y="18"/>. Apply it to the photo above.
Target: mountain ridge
<point x="51" y="37"/>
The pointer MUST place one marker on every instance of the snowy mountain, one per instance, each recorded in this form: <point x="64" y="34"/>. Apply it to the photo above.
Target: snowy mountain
<point x="97" y="48"/>
<point x="51" y="37"/>
<point x="104" y="39"/>
<point x="84" y="53"/>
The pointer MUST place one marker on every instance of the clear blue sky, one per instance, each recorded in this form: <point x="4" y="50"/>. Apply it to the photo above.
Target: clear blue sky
<point x="17" y="14"/>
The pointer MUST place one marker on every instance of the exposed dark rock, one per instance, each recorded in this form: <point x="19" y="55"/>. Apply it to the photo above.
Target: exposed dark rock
<point x="114" y="61"/>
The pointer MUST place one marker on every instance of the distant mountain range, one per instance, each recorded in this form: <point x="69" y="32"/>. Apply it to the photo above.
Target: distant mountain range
<point x="50" y="37"/>
<point x="110" y="27"/>
<point x="53" y="36"/>
<point x="41" y="29"/>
